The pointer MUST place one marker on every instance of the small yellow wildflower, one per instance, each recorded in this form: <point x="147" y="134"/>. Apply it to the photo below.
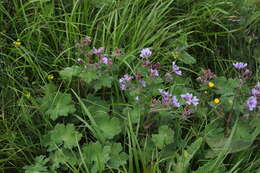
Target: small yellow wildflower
<point x="216" y="100"/>
<point x="50" y="76"/>
<point x="211" y="84"/>
<point x="205" y="92"/>
<point x="17" y="43"/>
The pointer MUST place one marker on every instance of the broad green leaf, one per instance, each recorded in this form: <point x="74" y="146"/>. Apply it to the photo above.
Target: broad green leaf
<point x="117" y="157"/>
<point x="109" y="127"/>
<point x="164" y="137"/>
<point x="62" y="135"/>
<point x="96" y="156"/>
<point x="89" y="75"/>
<point x="186" y="58"/>
<point x="103" y="81"/>
<point x="56" y="104"/>
<point x="61" y="106"/>
<point x="226" y="86"/>
<point x="70" y="72"/>
<point x="60" y="157"/>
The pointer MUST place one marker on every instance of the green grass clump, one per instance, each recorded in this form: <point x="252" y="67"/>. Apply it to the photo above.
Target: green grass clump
<point x="66" y="108"/>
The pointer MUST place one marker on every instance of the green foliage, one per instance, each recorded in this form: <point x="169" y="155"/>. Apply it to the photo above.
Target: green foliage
<point x="97" y="156"/>
<point x="56" y="104"/>
<point x="109" y="127"/>
<point x="61" y="135"/>
<point x="164" y="137"/>
<point x="38" y="166"/>
<point x="101" y="128"/>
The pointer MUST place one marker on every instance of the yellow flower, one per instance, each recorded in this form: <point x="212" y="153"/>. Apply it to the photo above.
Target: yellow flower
<point x="211" y="84"/>
<point x="17" y="43"/>
<point x="205" y="92"/>
<point x="216" y="100"/>
<point x="50" y="76"/>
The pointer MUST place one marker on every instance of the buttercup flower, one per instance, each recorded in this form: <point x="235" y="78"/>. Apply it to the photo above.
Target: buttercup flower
<point x="211" y="84"/>
<point x="251" y="103"/>
<point x="240" y="65"/>
<point x="176" y="69"/>
<point x="17" y="43"/>
<point x="50" y="76"/>
<point x="216" y="100"/>
<point x="145" y="53"/>
<point x="190" y="99"/>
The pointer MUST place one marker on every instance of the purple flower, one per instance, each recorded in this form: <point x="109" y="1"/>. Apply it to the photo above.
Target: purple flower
<point x="256" y="90"/>
<point x="239" y="65"/>
<point x="176" y="69"/>
<point x="123" y="81"/>
<point x="143" y="83"/>
<point x="175" y="102"/>
<point x="257" y="86"/>
<point x="86" y="40"/>
<point x="98" y="51"/>
<point x="104" y="60"/>
<point x="251" y="103"/>
<point x="166" y="96"/>
<point x="190" y="99"/>
<point x="145" y="53"/>
<point x="154" y="72"/>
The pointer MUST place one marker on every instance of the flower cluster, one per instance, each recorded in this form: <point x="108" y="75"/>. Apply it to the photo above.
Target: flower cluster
<point x="252" y="100"/>
<point x="190" y="99"/>
<point x="176" y="69"/>
<point x="83" y="45"/>
<point x="241" y="66"/>
<point x="168" y="99"/>
<point x="124" y="81"/>
<point x="206" y="76"/>
<point x="145" y="53"/>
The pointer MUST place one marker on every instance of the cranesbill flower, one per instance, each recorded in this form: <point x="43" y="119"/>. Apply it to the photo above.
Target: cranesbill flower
<point x="145" y="53"/>
<point x="166" y="96"/>
<point x="251" y="103"/>
<point x="256" y="90"/>
<point x="190" y="99"/>
<point x="240" y="65"/>
<point x="176" y="69"/>
<point x="175" y="102"/>
<point x="154" y="72"/>
<point x="123" y="81"/>
<point x="257" y="86"/>
<point x="104" y="60"/>
<point x="86" y="40"/>
<point x="98" y="51"/>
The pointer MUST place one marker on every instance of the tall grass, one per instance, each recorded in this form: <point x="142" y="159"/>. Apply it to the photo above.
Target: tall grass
<point x="218" y="32"/>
